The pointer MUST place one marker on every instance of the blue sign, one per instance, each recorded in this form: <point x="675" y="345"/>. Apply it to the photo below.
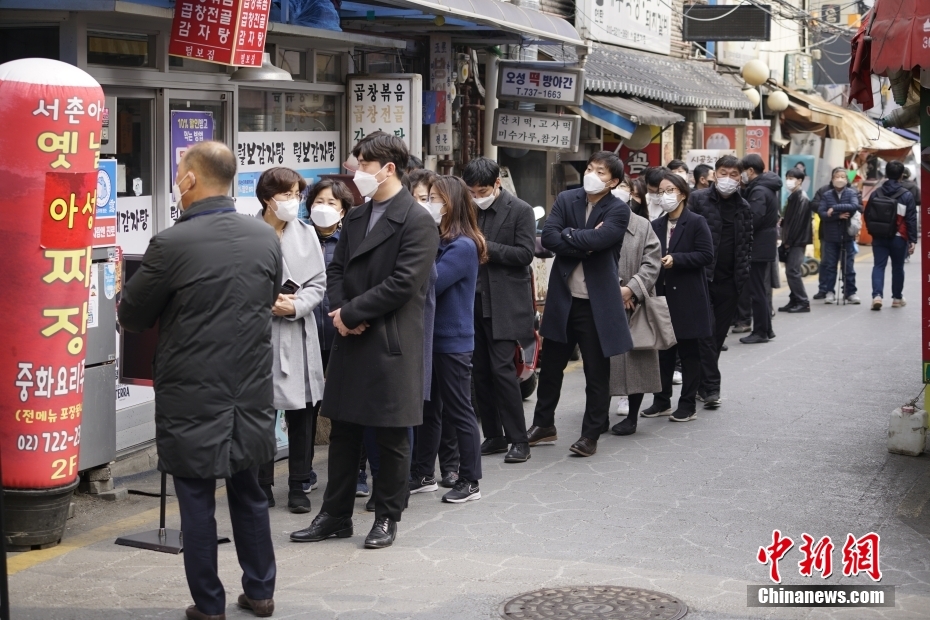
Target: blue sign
<point x="106" y="188"/>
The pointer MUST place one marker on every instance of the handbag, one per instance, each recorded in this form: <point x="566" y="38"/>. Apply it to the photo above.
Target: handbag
<point x="855" y="225"/>
<point x="651" y="324"/>
<point x="783" y="253"/>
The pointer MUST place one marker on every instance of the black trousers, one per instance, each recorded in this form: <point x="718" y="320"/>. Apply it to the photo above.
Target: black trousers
<point x="724" y="298"/>
<point x="743" y="315"/>
<point x="248" y="512"/>
<point x="449" y="457"/>
<point x="689" y="351"/>
<point x="390" y="487"/>
<point x="499" y="401"/>
<point x="449" y="405"/>
<point x="760" y="285"/>
<point x="555" y="355"/>
<point x="301" y="430"/>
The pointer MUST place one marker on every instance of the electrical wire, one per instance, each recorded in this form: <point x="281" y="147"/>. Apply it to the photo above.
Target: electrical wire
<point x="711" y="19"/>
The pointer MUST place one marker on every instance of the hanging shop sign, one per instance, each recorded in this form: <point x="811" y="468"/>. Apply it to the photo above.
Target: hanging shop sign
<point x="226" y="32"/>
<point x="388" y="102"/>
<point x="707" y="157"/>
<point x="442" y="82"/>
<point x="536" y="130"/>
<point x="644" y="25"/>
<point x="757" y="140"/>
<point x="540" y="82"/>
<point x="799" y="71"/>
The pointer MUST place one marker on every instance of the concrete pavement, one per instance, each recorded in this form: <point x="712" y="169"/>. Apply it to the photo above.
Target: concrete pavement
<point x="798" y="445"/>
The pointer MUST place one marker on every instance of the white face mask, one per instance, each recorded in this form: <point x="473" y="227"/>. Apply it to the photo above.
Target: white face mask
<point x="669" y="202"/>
<point x="176" y="192"/>
<point x="726" y="186"/>
<point x="791" y="184"/>
<point x="622" y="194"/>
<point x="324" y="216"/>
<point x="487" y="201"/>
<point x="840" y="183"/>
<point x="682" y="174"/>
<point x="593" y="184"/>
<point x="744" y="177"/>
<point x="367" y="184"/>
<point x="653" y="206"/>
<point x="286" y="211"/>
<point x="435" y="209"/>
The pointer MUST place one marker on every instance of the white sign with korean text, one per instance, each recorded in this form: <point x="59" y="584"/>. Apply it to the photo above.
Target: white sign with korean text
<point x="641" y="24"/>
<point x="540" y="83"/>
<point x="536" y="130"/>
<point x="708" y="157"/>
<point x="441" y="76"/>
<point x="389" y="102"/>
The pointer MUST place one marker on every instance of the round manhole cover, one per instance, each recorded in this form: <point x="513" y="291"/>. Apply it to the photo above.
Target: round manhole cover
<point x="594" y="602"/>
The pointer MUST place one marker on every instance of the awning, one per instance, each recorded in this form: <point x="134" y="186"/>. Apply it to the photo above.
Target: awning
<point x="621" y="116"/>
<point x="691" y="83"/>
<point x="899" y="35"/>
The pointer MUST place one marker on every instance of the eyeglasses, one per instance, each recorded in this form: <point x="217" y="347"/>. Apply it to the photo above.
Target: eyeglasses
<point x="287" y="195"/>
<point x="669" y="191"/>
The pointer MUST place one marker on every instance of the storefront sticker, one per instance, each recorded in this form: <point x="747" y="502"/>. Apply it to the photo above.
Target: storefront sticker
<point x="105" y="220"/>
<point x="389" y="102"/>
<point x="93" y="299"/>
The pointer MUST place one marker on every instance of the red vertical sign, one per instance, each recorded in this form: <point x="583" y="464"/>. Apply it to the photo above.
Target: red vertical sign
<point x="757" y="140"/>
<point x="227" y="32"/>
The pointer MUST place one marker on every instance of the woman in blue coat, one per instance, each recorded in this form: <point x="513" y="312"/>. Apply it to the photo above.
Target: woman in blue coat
<point x="687" y="247"/>
<point x="461" y="249"/>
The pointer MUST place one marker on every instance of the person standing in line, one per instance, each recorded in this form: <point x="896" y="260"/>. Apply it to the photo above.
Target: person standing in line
<point x="796" y="233"/>
<point x="461" y="249"/>
<point x="838" y="203"/>
<point x="377" y="286"/>
<point x="703" y="176"/>
<point x="585" y="230"/>
<point x="761" y="192"/>
<point x="504" y="309"/>
<point x="687" y="249"/>
<point x="730" y="222"/>
<point x="210" y="282"/>
<point x="891" y="215"/>
<point x="652" y="178"/>
<point x="678" y="167"/>
<point x="297" y="369"/>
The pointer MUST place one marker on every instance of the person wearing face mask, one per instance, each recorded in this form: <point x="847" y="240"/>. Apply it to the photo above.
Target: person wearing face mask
<point x="687" y="250"/>
<point x="653" y="176"/>
<point x="297" y="369"/>
<point x="504" y="309"/>
<point x="584" y="307"/>
<point x="703" y="176"/>
<point x="417" y="183"/>
<point x="838" y="202"/>
<point x="796" y="234"/>
<point x="377" y="286"/>
<point x="677" y="166"/>
<point x="210" y="282"/>
<point x="730" y="221"/>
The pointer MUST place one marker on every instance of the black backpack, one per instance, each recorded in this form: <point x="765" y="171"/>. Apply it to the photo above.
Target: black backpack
<point x="882" y="217"/>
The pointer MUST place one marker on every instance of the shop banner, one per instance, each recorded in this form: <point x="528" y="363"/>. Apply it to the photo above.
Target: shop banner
<point x="309" y="153"/>
<point x="757" y="140"/>
<point x="227" y="32"/>
<point x="707" y="157"/>
<point x="105" y="219"/>
<point x="389" y="102"/>
<point x="442" y="81"/>
<point x="644" y="25"/>
<point x="51" y="146"/>
<point x="536" y="130"/>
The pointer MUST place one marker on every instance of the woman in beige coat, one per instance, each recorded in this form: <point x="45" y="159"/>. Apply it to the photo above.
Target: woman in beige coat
<point x="636" y="373"/>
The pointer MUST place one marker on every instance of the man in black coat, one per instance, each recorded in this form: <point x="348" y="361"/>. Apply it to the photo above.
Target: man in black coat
<point x="762" y="193"/>
<point x="210" y="282"/>
<point x="377" y="286"/>
<point x="796" y="234"/>
<point x="730" y="222"/>
<point x="504" y="309"/>
<point x="584" y="306"/>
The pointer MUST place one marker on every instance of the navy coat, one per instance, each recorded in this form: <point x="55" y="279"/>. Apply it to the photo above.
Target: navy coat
<point x="846" y="201"/>
<point x="685" y="285"/>
<point x="574" y="240"/>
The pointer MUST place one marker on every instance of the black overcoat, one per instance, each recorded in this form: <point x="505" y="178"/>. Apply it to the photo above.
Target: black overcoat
<point x="376" y="378"/>
<point x="210" y="281"/>
<point x="574" y="241"/>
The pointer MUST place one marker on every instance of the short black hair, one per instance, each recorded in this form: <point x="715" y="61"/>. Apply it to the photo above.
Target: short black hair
<point x="654" y="176"/>
<point x="678" y="182"/>
<point x="802" y="165"/>
<point x="894" y="170"/>
<point x="414" y="163"/>
<point x="418" y="177"/>
<point x="701" y="171"/>
<point x="275" y="181"/>
<point x="611" y="161"/>
<point x="676" y="164"/>
<point x="638" y="185"/>
<point x="728" y="161"/>
<point x="385" y="149"/>
<point x="794" y="173"/>
<point x="754" y="161"/>
<point x="481" y="172"/>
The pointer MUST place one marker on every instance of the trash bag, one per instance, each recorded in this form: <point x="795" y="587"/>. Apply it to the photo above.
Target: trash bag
<point x="311" y="13"/>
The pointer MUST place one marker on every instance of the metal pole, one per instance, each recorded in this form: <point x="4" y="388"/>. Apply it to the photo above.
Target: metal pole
<point x="490" y="105"/>
<point x="164" y="501"/>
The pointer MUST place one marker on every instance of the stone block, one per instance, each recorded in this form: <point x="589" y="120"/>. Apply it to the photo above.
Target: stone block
<point x="114" y="495"/>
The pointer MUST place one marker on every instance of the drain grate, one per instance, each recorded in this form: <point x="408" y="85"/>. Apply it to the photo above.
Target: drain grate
<point x="594" y="603"/>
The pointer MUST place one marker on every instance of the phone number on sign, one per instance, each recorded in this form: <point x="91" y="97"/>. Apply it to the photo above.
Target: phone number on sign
<point x="538" y="93"/>
<point x="56" y="441"/>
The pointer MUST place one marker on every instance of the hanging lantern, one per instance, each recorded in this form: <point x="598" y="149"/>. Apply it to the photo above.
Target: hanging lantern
<point x="755" y="72"/>
<point x="753" y="95"/>
<point x="778" y="101"/>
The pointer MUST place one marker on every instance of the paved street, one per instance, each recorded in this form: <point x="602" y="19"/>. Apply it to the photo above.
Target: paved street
<point x="798" y="445"/>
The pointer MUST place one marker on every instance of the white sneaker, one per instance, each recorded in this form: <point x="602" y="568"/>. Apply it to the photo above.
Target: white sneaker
<point x="623" y="406"/>
<point x="830" y="299"/>
<point x="853" y="299"/>
<point x="876" y="303"/>
<point x="898" y="303"/>
<point x="676" y="378"/>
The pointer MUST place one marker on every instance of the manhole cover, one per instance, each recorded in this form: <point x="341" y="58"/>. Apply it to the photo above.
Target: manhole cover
<point x="594" y="602"/>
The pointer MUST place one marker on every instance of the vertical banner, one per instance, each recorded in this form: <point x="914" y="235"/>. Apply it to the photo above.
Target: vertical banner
<point x="389" y="102"/>
<point x="226" y="32"/>
<point x="441" y="76"/>
<point x="51" y="146"/>
<point x="188" y="127"/>
<point x="757" y="140"/>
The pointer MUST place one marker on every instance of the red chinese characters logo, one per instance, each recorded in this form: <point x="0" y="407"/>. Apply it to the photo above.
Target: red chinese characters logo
<point x="773" y="553"/>
<point x="859" y="555"/>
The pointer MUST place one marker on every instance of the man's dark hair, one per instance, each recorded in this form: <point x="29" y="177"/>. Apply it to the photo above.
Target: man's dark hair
<point x="275" y="181"/>
<point x="481" y="172"/>
<point x="213" y="161"/>
<point x="416" y="177"/>
<point x="677" y="164"/>
<point x="701" y="171"/>
<point x="611" y="161"/>
<point x="638" y="186"/>
<point x="414" y="163"/>
<point x="906" y="174"/>
<point x="794" y="173"/>
<point x="754" y="161"/>
<point x="678" y="182"/>
<point x="728" y="161"/>
<point x="385" y="149"/>
<point x="802" y="166"/>
<point x="894" y="170"/>
<point x="653" y="176"/>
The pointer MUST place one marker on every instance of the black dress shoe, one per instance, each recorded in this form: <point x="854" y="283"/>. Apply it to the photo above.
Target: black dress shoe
<point x="494" y="445"/>
<point x="800" y="308"/>
<point x="627" y="426"/>
<point x="382" y="534"/>
<point x="324" y="526"/>
<point x="754" y="339"/>
<point x="263" y="608"/>
<point x="297" y="501"/>
<point x="771" y="335"/>
<point x="724" y="347"/>
<point x="787" y="307"/>
<point x="537" y="434"/>
<point x="584" y="447"/>
<point x="370" y="504"/>
<point x="519" y="453"/>
<point x="741" y="329"/>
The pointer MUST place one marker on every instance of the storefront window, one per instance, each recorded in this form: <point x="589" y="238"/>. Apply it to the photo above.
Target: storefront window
<point x="28" y="42"/>
<point x="133" y="148"/>
<point x="286" y="111"/>
<point x="328" y="69"/>
<point x="120" y="49"/>
<point x="292" y="61"/>
<point x="176" y="63"/>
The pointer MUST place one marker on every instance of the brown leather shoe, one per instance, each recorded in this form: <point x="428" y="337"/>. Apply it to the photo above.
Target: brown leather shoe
<point x="262" y="608"/>
<point x="193" y="613"/>
<point x="537" y="435"/>
<point x="584" y="447"/>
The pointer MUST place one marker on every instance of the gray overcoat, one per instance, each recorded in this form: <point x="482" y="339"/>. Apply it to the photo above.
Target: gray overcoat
<point x="297" y="364"/>
<point x="637" y="372"/>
